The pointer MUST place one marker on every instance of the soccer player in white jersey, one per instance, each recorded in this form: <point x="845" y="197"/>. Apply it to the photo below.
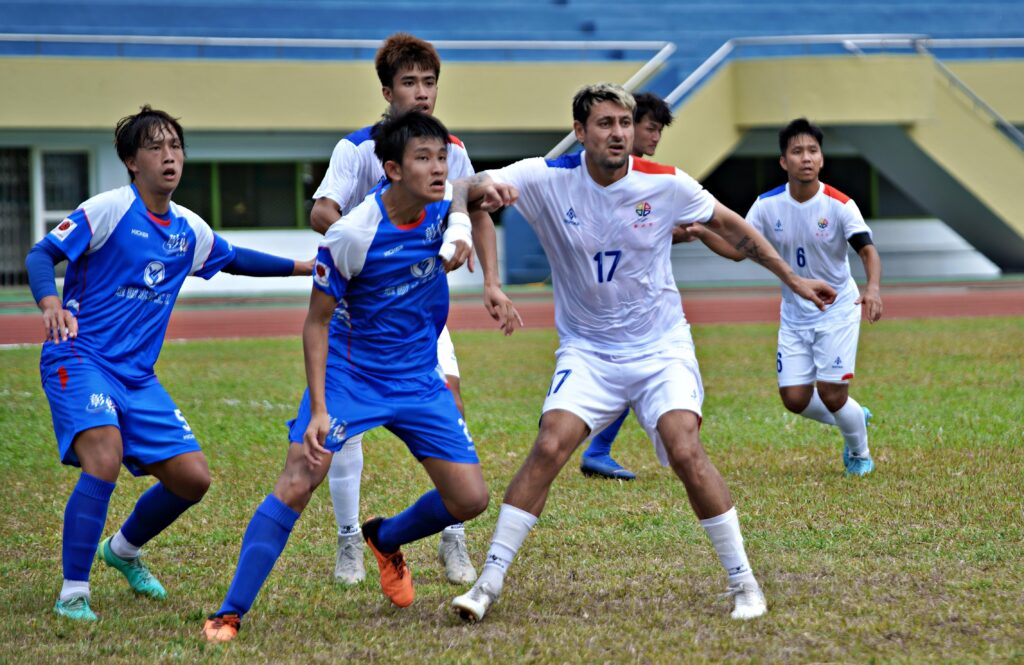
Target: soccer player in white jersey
<point x="373" y="362"/>
<point x="651" y="116"/>
<point x="408" y="69"/>
<point x="605" y="220"/>
<point x="129" y="251"/>
<point x="811" y="224"/>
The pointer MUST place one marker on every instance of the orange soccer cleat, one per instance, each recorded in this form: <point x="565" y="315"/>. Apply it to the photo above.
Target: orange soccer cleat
<point x="395" y="576"/>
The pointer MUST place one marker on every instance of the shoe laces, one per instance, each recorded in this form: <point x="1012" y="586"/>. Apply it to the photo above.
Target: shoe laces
<point x="482" y="591"/>
<point x="740" y="590"/>
<point x="77" y="603"/>
<point x="398" y="561"/>
<point x="227" y="620"/>
<point x="456" y="547"/>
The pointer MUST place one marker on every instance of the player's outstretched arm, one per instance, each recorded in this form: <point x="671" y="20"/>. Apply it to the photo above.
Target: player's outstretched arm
<point x="711" y="240"/>
<point x="324" y="213"/>
<point x="872" y="295"/>
<point x="746" y="239"/>
<point x="59" y="323"/>
<point x="314" y="351"/>
<point x="252" y="263"/>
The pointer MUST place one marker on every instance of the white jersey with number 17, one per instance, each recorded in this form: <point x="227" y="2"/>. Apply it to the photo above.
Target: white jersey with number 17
<point x="609" y="248"/>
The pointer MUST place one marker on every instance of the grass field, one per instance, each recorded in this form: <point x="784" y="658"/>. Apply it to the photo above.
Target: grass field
<point x="920" y="561"/>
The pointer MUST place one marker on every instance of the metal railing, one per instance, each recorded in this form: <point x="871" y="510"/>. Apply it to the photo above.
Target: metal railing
<point x="856" y="44"/>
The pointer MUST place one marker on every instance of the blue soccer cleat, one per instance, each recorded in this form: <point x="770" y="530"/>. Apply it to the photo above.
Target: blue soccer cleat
<point x="75" y="608"/>
<point x="860" y="466"/>
<point x="138" y="576"/>
<point x="605" y="467"/>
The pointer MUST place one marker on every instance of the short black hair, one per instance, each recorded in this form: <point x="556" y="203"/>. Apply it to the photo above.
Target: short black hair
<point x="648" y="103"/>
<point x="796" y="128"/>
<point x="392" y="134"/>
<point x="132" y="131"/>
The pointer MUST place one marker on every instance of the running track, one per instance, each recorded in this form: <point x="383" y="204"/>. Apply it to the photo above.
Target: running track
<point x="199" y="318"/>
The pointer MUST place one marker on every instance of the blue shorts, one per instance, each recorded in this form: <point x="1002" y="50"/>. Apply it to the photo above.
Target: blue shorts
<point x="420" y="411"/>
<point x="84" y="395"/>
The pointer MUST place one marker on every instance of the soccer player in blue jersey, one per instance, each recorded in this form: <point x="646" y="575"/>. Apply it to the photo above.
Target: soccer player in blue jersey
<point x="128" y="250"/>
<point x="408" y="69"/>
<point x="373" y="362"/>
<point x="651" y="116"/>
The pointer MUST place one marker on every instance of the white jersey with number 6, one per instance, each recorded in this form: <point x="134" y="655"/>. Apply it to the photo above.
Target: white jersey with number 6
<point x="812" y="238"/>
<point x="609" y="248"/>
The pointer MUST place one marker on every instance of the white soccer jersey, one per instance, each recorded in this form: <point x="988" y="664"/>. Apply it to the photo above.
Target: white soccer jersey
<point x="355" y="170"/>
<point x="812" y="237"/>
<point x="609" y="248"/>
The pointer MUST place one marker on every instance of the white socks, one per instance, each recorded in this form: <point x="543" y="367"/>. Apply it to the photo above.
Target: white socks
<point x="121" y="548"/>
<point x="455" y="529"/>
<point x="850" y="421"/>
<point x="513" y="526"/>
<point x="724" y="532"/>
<point x="74" y="588"/>
<point x="343" y="478"/>
<point x="816" y="410"/>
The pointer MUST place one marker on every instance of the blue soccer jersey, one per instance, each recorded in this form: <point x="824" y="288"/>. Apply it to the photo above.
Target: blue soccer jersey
<point x="125" y="268"/>
<point x="391" y="288"/>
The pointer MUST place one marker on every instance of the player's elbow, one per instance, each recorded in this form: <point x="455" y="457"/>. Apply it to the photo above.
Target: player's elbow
<point x="323" y="214"/>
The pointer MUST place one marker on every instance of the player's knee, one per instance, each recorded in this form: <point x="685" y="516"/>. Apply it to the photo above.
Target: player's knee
<point x="833" y="395"/>
<point x="195" y="485"/>
<point x="470" y="505"/>
<point x="795" y="398"/>
<point x="548" y="450"/>
<point x="685" y="453"/>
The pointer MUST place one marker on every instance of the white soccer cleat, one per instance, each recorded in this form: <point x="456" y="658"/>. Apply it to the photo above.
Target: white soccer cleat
<point x="451" y="551"/>
<point x="348" y="566"/>
<point x="749" y="600"/>
<point x="473" y="605"/>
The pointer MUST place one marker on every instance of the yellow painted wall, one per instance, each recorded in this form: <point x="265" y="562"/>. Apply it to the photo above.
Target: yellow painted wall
<point x="91" y="93"/>
<point x="999" y="82"/>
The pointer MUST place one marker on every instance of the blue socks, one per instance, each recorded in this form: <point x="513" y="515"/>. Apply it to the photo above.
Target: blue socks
<point x="155" y="510"/>
<point x="262" y="544"/>
<point x="84" y="517"/>
<point x="601" y="444"/>
<point x="424" y="518"/>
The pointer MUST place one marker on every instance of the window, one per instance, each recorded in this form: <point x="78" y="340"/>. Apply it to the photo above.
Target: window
<point x="65" y="184"/>
<point x="257" y="196"/>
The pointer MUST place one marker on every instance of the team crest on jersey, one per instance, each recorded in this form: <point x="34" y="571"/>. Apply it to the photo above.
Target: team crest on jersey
<point x="570" y="218"/>
<point x="177" y="243"/>
<point x="643" y="209"/>
<point x="72" y="306"/>
<point x="100" y="403"/>
<point x="321" y="274"/>
<point x="423" y="268"/>
<point x="154" y="273"/>
<point x="778" y="225"/>
<point x="432" y="232"/>
<point x="822" y="223"/>
<point x="64" y="229"/>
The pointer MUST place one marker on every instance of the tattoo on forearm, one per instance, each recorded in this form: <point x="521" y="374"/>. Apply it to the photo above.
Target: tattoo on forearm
<point x="460" y="191"/>
<point x="750" y="248"/>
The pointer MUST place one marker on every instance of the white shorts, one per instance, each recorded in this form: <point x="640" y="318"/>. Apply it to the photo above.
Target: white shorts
<point x="597" y="387"/>
<point x="446" y="354"/>
<point x="817" y="354"/>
